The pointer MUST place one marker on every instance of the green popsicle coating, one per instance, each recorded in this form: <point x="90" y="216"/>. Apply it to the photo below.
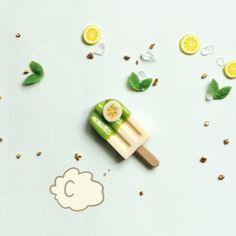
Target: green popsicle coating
<point x="103" y="127"/>
<point x="99" y="125"/>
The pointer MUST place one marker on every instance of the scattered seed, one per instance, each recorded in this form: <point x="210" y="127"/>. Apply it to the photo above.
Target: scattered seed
<point x="18" y="156"/>
<point x="109" y="170"/>
<point x="136" y="62"/>
<point x="104" y="174"/>
<point x="77" y="156"/>
<point x="18" y="35"/>
<point x="26" y="72"/>
<point x="155" y="82"/>
<point x="221" y="177"/>
<point x="0" y="97"/>
<point x="90" y="56"/>
<point x="152" y="46"/>
<point x="206" y="123"/>
<point x="1" y="139"/>
<point x="226" y="141"/>
<point x="126" y="58"/>
<point x="203" y="159"/>
<point x="38" y="154"/>
<point x="141" y="193"/>
<point x="204" y="76"/>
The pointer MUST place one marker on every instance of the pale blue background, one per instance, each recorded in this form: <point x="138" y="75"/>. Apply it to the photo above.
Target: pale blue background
<point x="182" y="197"/>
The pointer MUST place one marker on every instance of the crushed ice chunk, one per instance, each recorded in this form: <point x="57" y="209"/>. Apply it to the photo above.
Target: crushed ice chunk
<point x="148" y="56"/>
<point x="100" y="49"/>
<point x="220" y="61"/>
<point x="142" y="74"/>
<point x="208" y="50"/>
<point x="209" y="96"/>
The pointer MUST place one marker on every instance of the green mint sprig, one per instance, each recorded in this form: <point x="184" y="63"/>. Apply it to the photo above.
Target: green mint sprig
<point x="37" y="75"/>
<point x="218" y="93"/>
<point x="139" y="85"/>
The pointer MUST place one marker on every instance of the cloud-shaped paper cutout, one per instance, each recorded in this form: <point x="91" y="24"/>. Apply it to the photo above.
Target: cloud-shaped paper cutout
<point x="77" y="190"/>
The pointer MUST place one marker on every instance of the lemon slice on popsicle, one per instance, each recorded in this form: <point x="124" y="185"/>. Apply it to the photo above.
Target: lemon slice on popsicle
<point x="92" y="34"/>
<point x="190" y="44"/>
<point x="230" y="69"/>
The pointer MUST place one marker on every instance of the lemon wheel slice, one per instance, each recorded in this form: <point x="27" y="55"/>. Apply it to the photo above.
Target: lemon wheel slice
<point x="190" y="44"/>
<point x="92" y="34"/>
<point x="230" y="69"/>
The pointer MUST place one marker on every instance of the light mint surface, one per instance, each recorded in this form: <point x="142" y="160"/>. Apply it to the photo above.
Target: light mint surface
<point x="181" y="197"/>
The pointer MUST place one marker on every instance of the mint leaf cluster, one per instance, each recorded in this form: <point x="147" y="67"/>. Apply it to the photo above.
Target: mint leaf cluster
<point x="37" y="75"/>
<point x="218" y="93"/>
<point x="139" y="85"/>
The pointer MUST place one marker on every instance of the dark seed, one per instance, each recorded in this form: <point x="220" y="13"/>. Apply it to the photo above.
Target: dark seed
<point x="226" y="141"/>
<point x="136" y="62"/>
<point x="152" y="46"/>
<point x="206" y="123"/>
<point x="155" y="82"/>
<point x="18" y="35"/>
<point x="141" y="193"/>
<point x="1" y="139"/>
<point x="204" y="76"/>
<point x="203" y="159"/>
<point x="18" y="156"/>
<point x="221" y="177"/>
<point x="90" y="56"/>
<point x="77" y="156"/>
<point x="126" y="58"/>
<point x="38" y="154"/>
<point x="26" y="72"/>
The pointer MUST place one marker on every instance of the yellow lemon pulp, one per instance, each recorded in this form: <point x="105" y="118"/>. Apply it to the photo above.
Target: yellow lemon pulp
<point x="230" y="69"/>
<point x="112" y="111"/>
<point x="92" y="34"/>
<point x="190" y="44"/>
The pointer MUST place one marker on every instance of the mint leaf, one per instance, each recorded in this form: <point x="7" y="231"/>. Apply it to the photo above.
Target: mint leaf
<point x="145" y="84"/>
<point x="223" y="92"/>
<point x="134" y="81"/>
<point x="32" y="79"/>
<point x="214" y="88"/>
<point x="138" y="85"/>
<point x="36" y="68"/>
<point x="37" y="75"/>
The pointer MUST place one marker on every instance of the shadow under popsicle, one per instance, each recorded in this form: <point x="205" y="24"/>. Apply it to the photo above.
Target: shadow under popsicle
<point x="110" y="150"/>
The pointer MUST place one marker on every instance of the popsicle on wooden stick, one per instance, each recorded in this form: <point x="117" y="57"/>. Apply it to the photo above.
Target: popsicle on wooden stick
<point x="115" y="123"/>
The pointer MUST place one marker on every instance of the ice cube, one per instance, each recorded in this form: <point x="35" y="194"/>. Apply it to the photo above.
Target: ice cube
<point x="209" y="96"/>
<point x="208" y="50"/>
<point x="100" y="49"/>
<point x="220" y="61"/>
<point x="148" y="56"/>
<point x="142" y="74"/>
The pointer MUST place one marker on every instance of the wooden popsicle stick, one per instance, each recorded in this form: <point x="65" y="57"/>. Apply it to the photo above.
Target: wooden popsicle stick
<point x="150" y="158"/>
